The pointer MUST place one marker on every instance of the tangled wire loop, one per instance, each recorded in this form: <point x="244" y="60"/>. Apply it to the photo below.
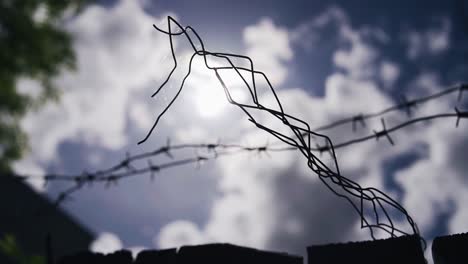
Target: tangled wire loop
<point x="361" y="199"/>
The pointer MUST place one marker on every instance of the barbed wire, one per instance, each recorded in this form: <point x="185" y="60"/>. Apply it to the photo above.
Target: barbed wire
<point x="168" y="148"/>
<point x="385" y="132"/>
<point x="377" y="199"/>
<point x="404" y="104"/>
<point x="126" y="167"/>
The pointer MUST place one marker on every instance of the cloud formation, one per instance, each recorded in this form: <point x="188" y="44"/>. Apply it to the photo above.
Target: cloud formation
<point x="433" y="41"/>
<point x="106" y="243"/>
<point x="277" y="204"/>
<point x="269" y="47"/>
<point x="266" y="202"/>
<point x="115" y="61"/>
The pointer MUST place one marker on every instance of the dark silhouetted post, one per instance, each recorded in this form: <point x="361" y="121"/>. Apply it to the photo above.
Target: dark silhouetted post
<point x="450" y="249"/>
<point x="166" y="256"/>
<point x="230" y="254"/>
<point x="406" y="249"/>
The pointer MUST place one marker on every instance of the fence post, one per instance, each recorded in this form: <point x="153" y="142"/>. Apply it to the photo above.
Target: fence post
<point x="165" y="256"/>
<point x="406" y="249"/>
<point x="231" y="254"/>
<point x="450" y="249"/>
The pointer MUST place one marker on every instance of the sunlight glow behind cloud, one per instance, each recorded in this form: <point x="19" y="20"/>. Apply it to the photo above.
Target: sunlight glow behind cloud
<point x="208" y="94"/>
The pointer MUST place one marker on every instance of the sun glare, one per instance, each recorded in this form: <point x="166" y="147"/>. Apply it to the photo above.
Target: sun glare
<point x="209" y="97"/>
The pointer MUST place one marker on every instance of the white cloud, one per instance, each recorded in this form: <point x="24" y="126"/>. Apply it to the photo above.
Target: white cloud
<point x="141" y="116"/>
<point x="428" y="83"/>
<point x="389" y="73"/>
<point x="29" y="87"/>
<point x="29" y="167"/>
<point x="269" y="47"/>
<point x="434" y="183"/>
<point x="179" y="233"/>
<point x="40" y="14"/>
<point x="306" y="34"/>
<point x="118" y="53"/>
<point x="346" y="92"/>
<point x="277" y="202"/>
<point x="357" y="57"/>
<point x="106" y="243"/>
<point x="356" y="60"/>
<point x="136" y="250"/>
<point x="432" y="41"/>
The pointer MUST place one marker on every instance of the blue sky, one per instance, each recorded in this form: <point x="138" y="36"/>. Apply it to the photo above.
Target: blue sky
<point x="328" y="60"/>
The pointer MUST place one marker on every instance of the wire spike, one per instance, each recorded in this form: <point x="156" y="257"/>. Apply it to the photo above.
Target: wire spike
<point x="460" y="115"/>
<point x="199" y="161"/>
<point x="167" y="149"/>
<point x="384" y="132"/>
<point x="407" y="104"/>
<point x="319" y="148"/>
<point x="151" y="170"/>
<point x="463" y="87"/>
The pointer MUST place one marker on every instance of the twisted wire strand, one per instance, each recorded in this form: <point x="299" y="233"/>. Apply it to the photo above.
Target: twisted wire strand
<point x="374" y="198"/>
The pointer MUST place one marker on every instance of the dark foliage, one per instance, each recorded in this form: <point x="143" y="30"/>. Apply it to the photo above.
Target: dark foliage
<point x="33" y="45"/>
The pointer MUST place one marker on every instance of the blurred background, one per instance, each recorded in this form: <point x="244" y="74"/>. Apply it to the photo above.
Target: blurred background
<point x="76" y="79"/>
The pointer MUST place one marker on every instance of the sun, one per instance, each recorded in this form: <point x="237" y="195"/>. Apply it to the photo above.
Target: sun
<point x="208" y="95"/>
<point x="210" y="100"/>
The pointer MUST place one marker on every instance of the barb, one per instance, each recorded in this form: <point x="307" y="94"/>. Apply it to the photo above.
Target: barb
<point x="460" y="115"/>
<point x="384" y="132"/>
<point x="356" y="119"/>
<point x="463" y="87"/>
<point x="408" y="105"/>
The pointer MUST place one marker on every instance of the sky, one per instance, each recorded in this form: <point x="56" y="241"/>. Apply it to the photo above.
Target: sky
<point x="327" y="60"/>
